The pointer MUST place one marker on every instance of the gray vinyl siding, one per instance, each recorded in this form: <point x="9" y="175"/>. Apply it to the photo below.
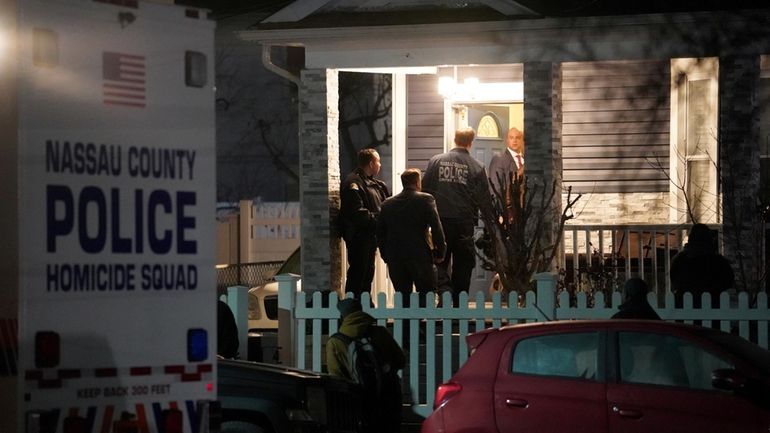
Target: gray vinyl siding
<point x="615" y="122"/>
<point x="615" y="126"/>
<point x="425" y="120"/>
<point x="425" y="107"/>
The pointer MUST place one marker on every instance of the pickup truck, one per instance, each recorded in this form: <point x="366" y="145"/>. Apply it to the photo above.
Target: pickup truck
<point x="266" y="398"/>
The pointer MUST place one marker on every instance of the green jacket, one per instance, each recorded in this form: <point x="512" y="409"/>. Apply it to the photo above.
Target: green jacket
<point x="355" y="325"/>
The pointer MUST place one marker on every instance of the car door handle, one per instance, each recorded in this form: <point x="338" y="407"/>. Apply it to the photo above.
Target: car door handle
<point x="516" y="402"/>
<point x="633" y="414"/>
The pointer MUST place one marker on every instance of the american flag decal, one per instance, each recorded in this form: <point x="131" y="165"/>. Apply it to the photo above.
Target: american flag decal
<point x="124" y="79"/>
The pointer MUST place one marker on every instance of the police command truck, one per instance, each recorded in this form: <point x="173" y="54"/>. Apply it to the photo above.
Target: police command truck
<point x="107" y="290"/>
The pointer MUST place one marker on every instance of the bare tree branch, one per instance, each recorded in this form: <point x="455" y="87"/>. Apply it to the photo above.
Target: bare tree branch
<point x="520" y="238"/>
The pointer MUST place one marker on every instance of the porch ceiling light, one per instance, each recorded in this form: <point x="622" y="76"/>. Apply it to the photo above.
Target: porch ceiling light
<point x="446" y="87"/>
<point x="471" y="89"/>
<point x="450" y="89"/>
<point x="471" y="83"/>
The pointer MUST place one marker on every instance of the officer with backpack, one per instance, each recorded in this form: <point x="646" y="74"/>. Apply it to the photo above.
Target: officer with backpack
<point x="367" y="354"/>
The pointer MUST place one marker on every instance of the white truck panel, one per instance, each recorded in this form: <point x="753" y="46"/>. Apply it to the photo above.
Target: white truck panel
<point x="93" y="209"/>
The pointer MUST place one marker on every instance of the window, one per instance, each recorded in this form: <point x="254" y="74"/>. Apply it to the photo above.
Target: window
<point x="271" y="307"/>
<point x="488" y="127"/>
<point x="694" y="115"/>
<point x="656" y="359"/>
<point x="195" y="69"/>
<point x="572" y="355"/>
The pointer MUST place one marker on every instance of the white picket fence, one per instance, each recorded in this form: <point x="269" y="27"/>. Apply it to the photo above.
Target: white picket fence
<point x="305" y="324"/>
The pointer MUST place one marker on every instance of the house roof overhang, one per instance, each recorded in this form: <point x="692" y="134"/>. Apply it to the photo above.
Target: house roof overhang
<point x="308" y="13"/>
<point x="654" y="36"/>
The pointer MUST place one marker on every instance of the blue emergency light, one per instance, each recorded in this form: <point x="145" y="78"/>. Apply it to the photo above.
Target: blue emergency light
<point x="197" y="345"/>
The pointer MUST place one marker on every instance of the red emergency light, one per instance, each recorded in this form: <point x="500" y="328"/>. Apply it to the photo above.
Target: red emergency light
<point x="47" y="349"/>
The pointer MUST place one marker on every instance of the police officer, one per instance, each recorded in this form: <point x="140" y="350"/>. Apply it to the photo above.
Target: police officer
<point x="459" y="184"/>
<point x="361" y="197"/>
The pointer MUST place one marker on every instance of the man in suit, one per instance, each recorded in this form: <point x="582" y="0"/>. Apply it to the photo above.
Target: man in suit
<point x="406" y="245"/>
<point x="503" y="166"/>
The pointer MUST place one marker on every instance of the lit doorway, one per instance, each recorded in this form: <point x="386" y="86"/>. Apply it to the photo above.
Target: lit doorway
<point x="491" y="122"/>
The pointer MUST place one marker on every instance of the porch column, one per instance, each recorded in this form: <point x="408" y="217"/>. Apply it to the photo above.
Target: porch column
<point x="542" y="135"/>
<point x="319" y="179"/>
<point x="739" y="166"/>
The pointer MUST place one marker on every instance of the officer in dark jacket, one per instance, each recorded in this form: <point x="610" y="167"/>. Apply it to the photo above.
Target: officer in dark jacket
<point x="361" y="197"/>
<point x="405" y="243"/>
<point x="459" y="184"/>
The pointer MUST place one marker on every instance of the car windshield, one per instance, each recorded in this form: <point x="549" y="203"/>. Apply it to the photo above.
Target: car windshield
<point x="292" y="265"/>
<point x="745" y="350"/>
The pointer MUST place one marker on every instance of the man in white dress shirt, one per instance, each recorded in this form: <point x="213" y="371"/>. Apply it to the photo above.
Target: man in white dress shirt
<point x="509" y="161"/>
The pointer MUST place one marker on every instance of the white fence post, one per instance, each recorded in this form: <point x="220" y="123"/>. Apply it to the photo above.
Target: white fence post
<point x="238" y="301"/>
<point x="287" y="325"/>
<point x="546" y="296"/>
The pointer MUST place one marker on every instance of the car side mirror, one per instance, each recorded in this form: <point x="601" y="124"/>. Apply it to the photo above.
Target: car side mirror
<point x="728" y="379"/>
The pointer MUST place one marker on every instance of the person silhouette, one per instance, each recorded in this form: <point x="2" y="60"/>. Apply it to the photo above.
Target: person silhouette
<point x="699" y="268"/>
<point x="635" y="305"/>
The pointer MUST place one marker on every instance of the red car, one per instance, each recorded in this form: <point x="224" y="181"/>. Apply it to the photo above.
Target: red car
<point x="606" y="376"/>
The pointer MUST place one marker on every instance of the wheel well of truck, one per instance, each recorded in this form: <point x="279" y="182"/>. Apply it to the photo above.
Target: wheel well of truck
<point x="256" y="418"/>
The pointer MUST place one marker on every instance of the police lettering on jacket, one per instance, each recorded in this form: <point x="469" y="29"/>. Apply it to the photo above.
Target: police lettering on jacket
<point x="455" y="172"/>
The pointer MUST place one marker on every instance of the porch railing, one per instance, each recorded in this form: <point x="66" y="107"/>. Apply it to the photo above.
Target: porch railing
<point x="599" y="258"/>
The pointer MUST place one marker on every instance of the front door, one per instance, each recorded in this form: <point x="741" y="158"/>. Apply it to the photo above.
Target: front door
<point x="491" y="123"/>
